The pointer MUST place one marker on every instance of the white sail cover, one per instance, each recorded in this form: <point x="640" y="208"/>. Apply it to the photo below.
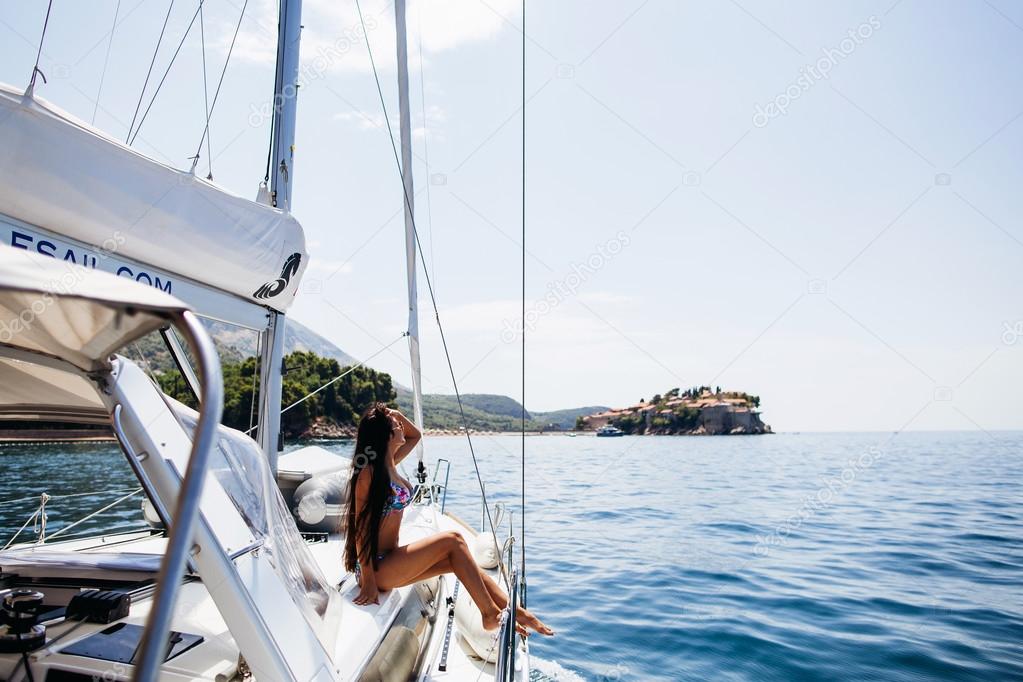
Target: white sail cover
<point x="60" y="174"/>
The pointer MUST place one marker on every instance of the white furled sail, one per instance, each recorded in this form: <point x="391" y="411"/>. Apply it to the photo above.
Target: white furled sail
<point x="405" y="123"/>
<point x="70" y="180"/>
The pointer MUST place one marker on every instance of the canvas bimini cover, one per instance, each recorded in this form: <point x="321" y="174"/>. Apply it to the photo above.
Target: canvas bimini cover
<point x="60" y="174"/>
<point x="54" y="314"/>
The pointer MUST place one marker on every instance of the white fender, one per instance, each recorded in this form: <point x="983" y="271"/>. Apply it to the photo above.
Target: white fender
<point x="470" y="627"/>
<point x="485" y="551"/>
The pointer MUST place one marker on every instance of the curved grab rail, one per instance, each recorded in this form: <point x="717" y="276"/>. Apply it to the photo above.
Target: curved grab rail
<point x="134" y="461"/>
<point x="186" y="513"/>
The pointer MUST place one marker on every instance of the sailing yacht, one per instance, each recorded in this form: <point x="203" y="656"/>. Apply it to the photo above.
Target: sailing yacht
<point x="239" y="574"/>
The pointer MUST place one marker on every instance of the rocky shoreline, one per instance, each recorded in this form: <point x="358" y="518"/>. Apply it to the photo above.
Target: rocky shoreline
<point x="740" y="430"/>
<point x="324" y="428"/>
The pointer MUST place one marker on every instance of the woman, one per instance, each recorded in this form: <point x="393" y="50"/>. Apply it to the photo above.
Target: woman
<point x="373" y="517"/>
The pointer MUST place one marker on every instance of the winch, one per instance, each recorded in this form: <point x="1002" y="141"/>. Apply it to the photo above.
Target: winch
<point x="20" y="630"/>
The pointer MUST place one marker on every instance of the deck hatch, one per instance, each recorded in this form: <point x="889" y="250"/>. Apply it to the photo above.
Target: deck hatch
<point x="119" y="643"/>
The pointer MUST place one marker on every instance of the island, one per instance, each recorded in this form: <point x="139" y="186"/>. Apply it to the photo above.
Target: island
<point x="697" y="411"/>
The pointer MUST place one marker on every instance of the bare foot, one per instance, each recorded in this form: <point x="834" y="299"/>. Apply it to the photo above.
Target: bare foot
<point x="533" y="623"/>
<point x="491" y="621"/>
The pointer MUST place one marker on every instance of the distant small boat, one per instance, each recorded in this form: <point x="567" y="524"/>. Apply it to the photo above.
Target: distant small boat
<point x="608" y="431"/>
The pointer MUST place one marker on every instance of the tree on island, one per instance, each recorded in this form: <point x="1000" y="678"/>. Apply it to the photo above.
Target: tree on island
<point x="304" y="372"/>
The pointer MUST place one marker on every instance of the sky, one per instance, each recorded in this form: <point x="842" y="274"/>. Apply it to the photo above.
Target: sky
<point x="817" y="203"/>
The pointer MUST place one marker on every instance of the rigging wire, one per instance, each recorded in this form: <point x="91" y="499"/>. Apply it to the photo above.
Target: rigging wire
<point x="273" y="100"/>
<point x="23" y="527"/>
<point x="91" y="493"/>
<point x="39" y="52"/>
<point x="149" y="73"/>
<point x="96" y="513"/>
<point x="205" y="90"/>
<point x="216" y="94"/>
<point x="145" y="362"/>
<point x="343" y="374"/>
<point x="106" y="61"/>
<point x="429" y="285"/>
<point x="163" y="78"/>
<point x="522" y="543"/>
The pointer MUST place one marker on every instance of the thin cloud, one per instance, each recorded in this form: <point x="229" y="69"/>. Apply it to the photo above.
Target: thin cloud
<point x="333" y="40"/>
<point x="435" y="118"/>
<point x="605" y="297"/>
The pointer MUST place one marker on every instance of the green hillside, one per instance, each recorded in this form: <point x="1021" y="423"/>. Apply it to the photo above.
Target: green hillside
<point x="338" y="405"/>
<point x="236" y="344"/>
<point x="297" y="338"/>
<point x="565" y="419"/>
<point x="441" y="411"/>
<point x="483" y="411"/>
<point x="489" y="412"/>
<point x="500" y="405"/>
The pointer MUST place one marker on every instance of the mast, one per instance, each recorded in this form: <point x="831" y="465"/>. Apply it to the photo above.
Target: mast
<point x="282" y="178"/>
<point x="285" y="103"/>
<point x="405" y="124"/>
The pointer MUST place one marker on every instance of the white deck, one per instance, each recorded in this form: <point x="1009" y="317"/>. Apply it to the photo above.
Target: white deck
<point x="361" y="630"/>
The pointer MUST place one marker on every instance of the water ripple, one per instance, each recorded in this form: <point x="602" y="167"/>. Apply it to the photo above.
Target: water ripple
<point x="718" y="558"/>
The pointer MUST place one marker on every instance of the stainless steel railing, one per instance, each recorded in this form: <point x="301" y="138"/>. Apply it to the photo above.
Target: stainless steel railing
<point x="506" y="635"/>
<point x="179" y="543"/>
<point x="435" y="488"/>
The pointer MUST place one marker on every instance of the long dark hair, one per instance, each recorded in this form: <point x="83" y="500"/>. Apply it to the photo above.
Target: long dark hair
<point x="363" y="525"/>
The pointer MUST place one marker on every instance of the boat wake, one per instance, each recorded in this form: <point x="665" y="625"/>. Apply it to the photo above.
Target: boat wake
<point x="542" y="670"/>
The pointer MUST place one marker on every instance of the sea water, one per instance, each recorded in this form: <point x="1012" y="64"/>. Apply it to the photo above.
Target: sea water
<point x="780" y="557"/>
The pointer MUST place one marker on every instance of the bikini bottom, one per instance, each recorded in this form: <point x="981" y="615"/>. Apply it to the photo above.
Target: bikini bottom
<point x="358" y="568"/>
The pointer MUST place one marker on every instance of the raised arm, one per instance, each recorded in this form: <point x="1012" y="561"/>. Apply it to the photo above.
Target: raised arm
<point x="412" y="436"/>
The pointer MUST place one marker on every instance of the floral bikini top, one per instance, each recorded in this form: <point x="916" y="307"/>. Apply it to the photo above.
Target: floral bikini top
<point x="399" y="498"/>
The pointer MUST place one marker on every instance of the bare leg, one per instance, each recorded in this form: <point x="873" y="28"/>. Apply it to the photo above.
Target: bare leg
<point x="524" y="617"/>
<point x="405" y="564"/>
